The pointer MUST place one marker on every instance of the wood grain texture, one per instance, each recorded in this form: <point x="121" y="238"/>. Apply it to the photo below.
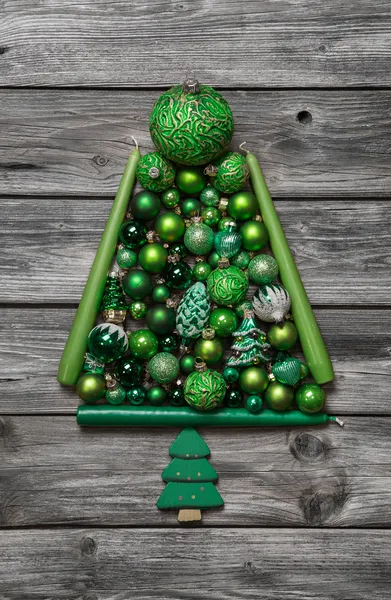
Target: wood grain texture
<point x="77" y="142"/>
<point x="123" y="44"/>
<point x="54" y="473"/>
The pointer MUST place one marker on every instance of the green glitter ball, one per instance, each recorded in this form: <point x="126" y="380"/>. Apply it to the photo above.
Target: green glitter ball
<point x="126" y="258"/>
<point x="241" y="259"/>
<point x="155" y="173"/>
<point x="191" y="124"/>
<point x="227" y="286"/>
<point x="204" y="390"/>
<point x="163" y="367"/>
<point x="232" y="173"/>
<point x="209" y="196"/>
<point x="263" y="269"/>
<point x="199" y="239"/>
<point x="116" y="396"/>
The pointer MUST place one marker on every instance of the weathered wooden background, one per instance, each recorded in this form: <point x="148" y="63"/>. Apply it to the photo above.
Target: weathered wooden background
<point x="308" y="511"/>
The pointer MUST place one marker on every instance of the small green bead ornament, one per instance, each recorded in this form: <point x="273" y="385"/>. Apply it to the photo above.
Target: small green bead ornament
<point x="170" y="198"/>
<point x="191" y="207"/>
<point x="190" y="180"/>
<point x="168" y="343"/>
<point x="210" y="216"/>
<point x="210" y="196"/>
<point x="178" y="276"/>
<point x="153" y="258"/>
<point x="254" y="404"/>
<point x="213" y="259"/>
<point x="241" y="259"/>
<point x="116" y="396"/>
<point x="137" y="284"/>
<point x="161" y="293"/>
<point x="242" y="206"/>
<point x="263" y="269"/>
<point x="224" y="321"/>
<point x="145" y="206"/>
<point x="231" y="375"/>
<point x="161" y="319"/>
<point x="90" y="387"/>
<point x="211" y="351"/>
<point x="126" y="258"/>
<point x="136" y="395"/>
<point x="254" y="235"/>
<point x="199" y="239"/>
<point x="279" y="397"/>
<point x="179" y="249"/>
<point x="133" y="234"/>
<point x="128" y="371"/>
<point x="227" y="286"/>
<point x="156" y="395"/>
<point x="201" y="271"/>
<point x="283" y="336"/>
<point x="163" y="367"/>
<point x="230" y="173"/>
<point x="253" y="380"/>
<point x="107" y="342"/>
<point x="225" y="223"/>
<point x="138" y="310"/>
<point x="227" y="243"/>
<point x="177" y="397"/>
<point x="310" y="398"/>
<point x="204" y="390"/>
<point x="233" y="398"/>
<point x="187" y="364"/>
<point x="154" y="172"/>
<point x="170" y="227"/>
<point x="143" y="344"/>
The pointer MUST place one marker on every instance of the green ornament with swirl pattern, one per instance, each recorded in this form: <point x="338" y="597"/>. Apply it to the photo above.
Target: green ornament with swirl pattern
<point x="205" y="389"/>
<point x="230" y="173"/>
<point x="227" y="286"/>
<point x="155" y="173"/>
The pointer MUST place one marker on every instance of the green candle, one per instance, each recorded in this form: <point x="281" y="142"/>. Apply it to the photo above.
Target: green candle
<point x="311" y="340"/>
<point x="73" y="356"/>
<point x="172" y="416"/>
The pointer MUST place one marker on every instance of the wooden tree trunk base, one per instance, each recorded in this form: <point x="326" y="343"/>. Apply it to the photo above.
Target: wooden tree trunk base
<point x="189" y="514"/>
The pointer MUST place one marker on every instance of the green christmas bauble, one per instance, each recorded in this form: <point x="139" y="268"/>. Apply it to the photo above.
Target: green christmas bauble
<point x="137" y="284"/>
<point x="254" y="404"/>
<point x="213" y="259"/>
<point x="90" y="387"/>
<point x="116" y="396"/>
<point x="210" y="216"/>
<point x="153" y="258"/>
<point x="282" y="336"/>
<point x="179" y="249"/>
<point x="133" y="234"/>
<point x="209" y="196"/>
<point x="279" y="396"/>
<point x="201" y="271"/>
<point x="211" y="351"/>
<point x="161" y="293"/>
<point x="199" y="239"/>
<point x="187" y="364"/>
<point x="136" y="395"/>
<point x="228" y="242"/>
<point x="287" y="370"/>
<point x="107" y="342"/>
<point x="138" y="310"/>
<point x="161" y="319"/>
<point x="224" y="321"/>
<point x="176" y="397"/>
<point x="253" y="380"/>
<point x="126" y="258"/>
<point x="242" y="307"/>
<point x="303" y="371"/>
<point x="168" y="343"/>
<point x="233" y="398"/>
<point x="230" y="374"/>
<point x="145" y="206"/>
<point x="155" y="173"/>
<point x="242" y="206"/>
<point x="241" y="259"/>
<point x="178" y="276"/>
<point x="191" y="207"/>
<point x="204" y="390"/>
<point x="254" y="235"/>
<point x="225" y="223"/>
<point x="190" y="180"/>
<point x="191" y="124"/>
<point x="128" y="371"/>
<point x="263" y="269"/>
<point x="156" y="395"/>
<point x="143" y="344"/>
<point x="163" y="367"/>
<point x="232" y="173"/>
<point x="310" y="398"/>
<point x="170" y="227"/>
<point x="170" y="198"/>
<point x="227" y="286"/>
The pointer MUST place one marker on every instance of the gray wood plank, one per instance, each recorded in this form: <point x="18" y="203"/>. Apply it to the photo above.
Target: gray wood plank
<point x="54" y="473"/>
<point x="270" y="43"/>
<point x="77" y="142"/>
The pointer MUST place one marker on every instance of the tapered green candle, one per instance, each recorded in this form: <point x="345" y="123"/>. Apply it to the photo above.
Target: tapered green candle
<point x="73" y="356"/>
<point x="172" y="416"/>
<point x="311" y="340"/>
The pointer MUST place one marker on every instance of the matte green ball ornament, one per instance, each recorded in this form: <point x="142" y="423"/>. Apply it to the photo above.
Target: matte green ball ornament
<point x="310" y="398"/>
<point x="213" y="259"/>
<point x="90" y="387"/>
<point x="227" y="286"/>
<point x="224" y="321"/>
<point x="190" y="180"/>
<point x="161" y="319"/>
<point x="138" y="310"/>
<point x="231" y="375"/>
<point x="133" y="234"/>
<point x="282" y="336"/>
<point x="241" y="259"/>
<point x="161" y="293"/>
<point x="126" y="258"/>
<point x="254" y="404"/>
<point x="191" y="207"/>
<point x="254" y="235"/>
<point x="253" y="380"/>
<point x="191" y="124"/>
<point x="154" y="172"/>
<point x="230" y="173"/>
<point x="242" y="206"/>
<point x="170" y="227"/>
<point x="210" y="196"/>
<point x="279" y="397"/>
<point x="163" y="367"/>
<point x="201" y="271"/>
<point x="204" y="390"/>
<point x="263" y="269"/>
<point x="170" y="198"/>
<point x="211" y="351"/>
<point x="153" y="258"/>
<point x="145" y="206"/>
<point x="168" y="343"/>
<point x="210" y="216"/>
<point x="187" y="364"/>
<point x="233" y="398"/>
<point x="136" y="395"/>
<point x="225" y="223"/>
<point x="199" y="239"/>
<point x="107" y="342"/>
<point x="128" y="371"/>
<point x="137" y="284"/>
<point x="227" y="243"/>
<point x="156" y="395"/>
<point x="143" y="344"/>
<point x="116" y="396"/>
<point x="178" y="276"/>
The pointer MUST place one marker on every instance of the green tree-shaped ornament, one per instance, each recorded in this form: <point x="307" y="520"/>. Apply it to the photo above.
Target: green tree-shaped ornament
<point x="249" y="345"/>
<point x="113" y="305"/>
<point x="189" y="478"/>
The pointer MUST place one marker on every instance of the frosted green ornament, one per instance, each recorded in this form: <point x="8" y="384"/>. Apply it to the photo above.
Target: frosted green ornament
<point x="193" y="312"/>
<point x="163" y="367"/>
<point x="116" y="396"/>
<point x="154" y="172"/>
<point x="263" y="269"/>
<point x="126" y="258"/>
<point x="227" y="286"/>
<point x="199" y="239"/>
<point x="209" y="196"/>
<point x="191" y="124"/>
<point x="227" y="243"/>
<point x="229" y="173"/>
<point x="241" y="259"/>
<point x="204" y="390"/>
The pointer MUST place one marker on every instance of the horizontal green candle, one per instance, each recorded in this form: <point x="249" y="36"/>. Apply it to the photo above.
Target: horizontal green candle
<point x="311" y="340"/>
<point x="171" y="416"/>
<point x="73" y="356"/>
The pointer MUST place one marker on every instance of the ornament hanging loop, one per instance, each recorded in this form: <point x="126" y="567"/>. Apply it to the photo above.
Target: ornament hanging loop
<point x="191" y="84"/>
<point x="199" y="364"/>
<point x="244" y="149"/>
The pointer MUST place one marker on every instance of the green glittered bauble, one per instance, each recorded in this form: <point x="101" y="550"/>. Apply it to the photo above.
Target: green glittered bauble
<point x="199" y="239"/>
<point x="160" y="293"/>
<point x="224" y="321"/>
<point x="153" y="258"/>
<point x="204" y="390"/>
<point x="230" y="374"/>
<point x="201" y="271"/>
<point x="263" y="269"/>
<point x="90" y="387"/>
<point x="168" y="343"/>
<point x="191" y="124"/>
<point x="243" y="306"/>
<point x="241" y="259"/>
<point x="227" y="286"/>
<point x="225" y="223"/>
<point x="213" y="259"/>
<point x="191" y="207"/>
<point x="137" y="284"/>
<point x="126" y="258"/>
<point x="233" y="398"/>
<point x="232" y="173"/>
<point x="138" y="310"/>
<point x="211" y="351"/>
<point x="170" y="198"/>
<point x="116" y="396"/>
<point x="254" y="404"/>
<point x="170" y="227"/>
<point x="282" y="336"/>
<point x="242" y="206"/>
<point x="163" y="367"/>
<point x="136" y="395"/>
<point x="107" y="342"/>
<point x="155" y="172"/>
<point x="128" y="371"/>
<point x="253" y="380"/>
<point x="187" y="364"/>
<point x="156" y="395"/>
<point x="145" y="206"/>
<point x="310" y="398"/>
<point x="143" y="344"/>
<point x="210" y="216"/>
<point x="161" y="319"/>
<point x="178" y="275"/>
<point x="254" y="234"/>
<point x="279" y="396"/>
<point x="133" y="234"/>
<point x="209" y="196"/>
<point x="190" y="180"/>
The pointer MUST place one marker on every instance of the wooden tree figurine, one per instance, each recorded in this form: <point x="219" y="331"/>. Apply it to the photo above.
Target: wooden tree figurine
<point x="189" y="478"/>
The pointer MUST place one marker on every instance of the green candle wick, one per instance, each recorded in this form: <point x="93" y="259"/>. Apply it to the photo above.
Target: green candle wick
<point x="244" y="149"/>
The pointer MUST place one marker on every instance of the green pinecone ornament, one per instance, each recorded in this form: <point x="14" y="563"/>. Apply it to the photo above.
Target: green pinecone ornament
<point x="193" y="313"/>
<point x="205" y="389"/>
<point x="249" y="345"/>
<point x="230" y="173"/>
<point x="113" y="305"/>
<point x="155" y="173"/>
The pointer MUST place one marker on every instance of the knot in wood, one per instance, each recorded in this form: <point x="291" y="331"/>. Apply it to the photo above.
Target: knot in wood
<point x="88" y="546"/>
<point x="307" y="446"/>
<point x="101" y="161"/>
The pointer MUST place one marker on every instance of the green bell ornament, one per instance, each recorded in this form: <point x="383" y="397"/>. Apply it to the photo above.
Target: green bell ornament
<point x="113" y="305"/>
<point x="225" y="223"/>
<point x="254" y="404"/>
<point x="287" y="370"/>
<point x="283" y="336"/>
<point x="137" y="284"/>
<point x="191" y="207"/>
<point x="138" y="310"/>
<point x="193" y="313"/>
<point x="170" y="227"/>
<point x="209" y="196"/>
<point x="254" y="235"/>
<point x="170" y="198"/>
<point x="126" y="258"/>
<point x="136" y="395"/>
<point x="161" y="319"/>
<point x="233" y="398"/>
<point x="161" y="293"/>
<point x="190" y="180"/>
<point x="116" y="396"/>
<point x="227" y="286"/>
<point x="253" y="380"/>
<point x="107" y="342"/>
<point x="191" y="124"/>
<point x="143" y="344"/>
<point x="145" y="206"/>
<point x="310" y="398"/>
<point x="156" y="395"/>
<point x="128" y="371"/>
<point x="204" y="389"/>
<point x="90" y="387"/>
<point x="230" y="173"/>
<point x="178" y="276"/>
<point x="133" y="234"/>
<point x="199" y="238"/>
<point x="263" y="269"/>
<point x="153" y="258"/>
<point x="210" y="216"/>
<point x="227" y="243"/>
<point x="271" y="303"/>
<point x="163" y="367"/>
<point x="154" y="172"/>
<point x="224" y="321"/>
<point x="187" y="364"/>
<point x="201" y="271"/>
<point x="241" y="259"/>
<point x="279" y="397"/>
<point x="210" y="351"/>
<point x="242" y="206"/>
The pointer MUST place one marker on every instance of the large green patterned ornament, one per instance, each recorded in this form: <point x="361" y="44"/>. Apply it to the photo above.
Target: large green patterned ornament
<point x="155" y="173"/>
<point x="191" y="124"/>
<point x="205" y="390"/>
<point x="193" y="312"/>
<point x="230" y="173"/>
<point x="107" y="342"/>
<point x="227" y="286"/>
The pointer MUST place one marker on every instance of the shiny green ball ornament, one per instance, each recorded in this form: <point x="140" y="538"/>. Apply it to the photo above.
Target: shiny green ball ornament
<point x="210" y="216"/>
<point x="231" y="173"/>
<point x="156" y="395"/>
<point x="204" y="390"/>
<point x="133" y="234"/>
<point x="191" y="207"/>
<point x="128" y="371"/>
<point x="199" y="239"/>
<point x="176" y="397"/>
<point x="161" y="319"/>
<point x="178" y="276"/>
<point x="187" y="364"/>
<point x="253" y="380"/>
<point x="190" y="180"/>
<point x="209" y="196"/>
<point x="310" y="398"/>
<point x="163" y="367"/>
<point x="168" y="343"/>
<point x="137" y="284"/>
<point x="224" y="321"/>
<point x="179" y="249"/>
<point x="279" y="397"/>
<point x="242" y="206"/>
<point x="282" y="336"/>
<point x="211" y="351"/>
<point x="90" y="387"/>
<point x="241" y="259"/>
<point x="143" y="344"/>
<point x="107" y="342"/>
<point x="145" y="206"/>
<point x="126" y="258"/>
<point x="201" y="271"/>
<point x="191" y="124"/>
<point x="225" y="223"/>
<point x="116" y="396"/>
<point x="230" y="374"/>
<point x="233" y="398"/>
<point x="254" y="404"/>
<point x="254" y="235"/>
<point x="303" y="371"/>
<point x="161" y="293"/>
<point x="227" y="243"/>
<point x="136" y="395"/>
<point x="213" y="259"/>
<point x="170" y="227"/>
<point x="153" y="258"/>
<point x="154" y="172"/>
<point x="170" y="198"/>
<point x="138" y="310"/>
<point x="243" y="306"/>
<point x="227" y="286"/>
<point x="263" y="269"/>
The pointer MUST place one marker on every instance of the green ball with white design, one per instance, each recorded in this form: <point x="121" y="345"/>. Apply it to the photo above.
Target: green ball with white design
<point x="155" y="173"/>
<point x="199" y="239"/>
<point x="263" y="269"/>
<point x="163" y="367"/>
<point x="193" y="312"/>
<point x="126" y="258"/>
<point x="107" y="342"/>
<point x="227" y="286"/>
<point x="209" y="196"/>
<point x="271" y="303"/>
<point x="205" y="390"/>
<point x="232" y="173"/>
